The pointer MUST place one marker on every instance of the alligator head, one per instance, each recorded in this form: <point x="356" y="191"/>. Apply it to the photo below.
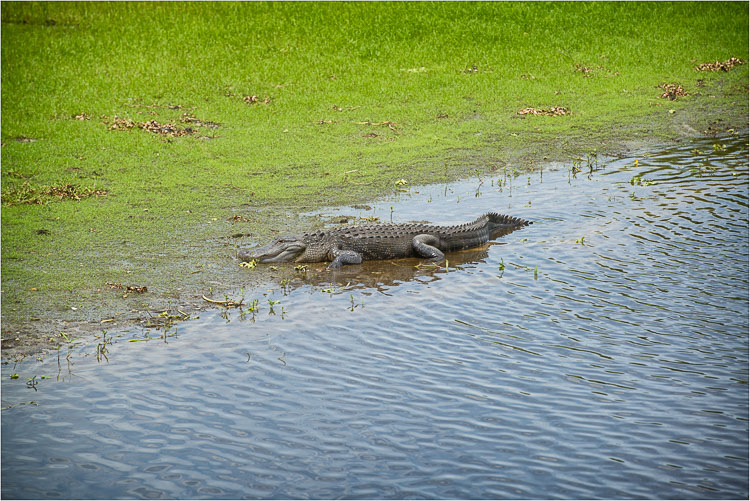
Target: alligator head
<point x="281" y="250"/>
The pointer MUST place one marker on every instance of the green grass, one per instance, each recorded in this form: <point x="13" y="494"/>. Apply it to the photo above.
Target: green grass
<point x="327" y="70"/>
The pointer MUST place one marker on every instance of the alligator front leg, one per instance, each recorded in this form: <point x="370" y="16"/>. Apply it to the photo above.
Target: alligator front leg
<point x="342" y="257"/>
<point x="424" y="245"/>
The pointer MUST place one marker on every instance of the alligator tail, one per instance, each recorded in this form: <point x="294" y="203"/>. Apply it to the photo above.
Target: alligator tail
<point x="507" y="221"/>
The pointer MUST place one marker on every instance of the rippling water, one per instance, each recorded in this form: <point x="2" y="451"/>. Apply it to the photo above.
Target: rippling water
<point x="608" y="359"/>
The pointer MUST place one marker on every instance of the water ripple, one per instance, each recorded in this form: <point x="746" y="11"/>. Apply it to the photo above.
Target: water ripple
<point x="600" y="353"/>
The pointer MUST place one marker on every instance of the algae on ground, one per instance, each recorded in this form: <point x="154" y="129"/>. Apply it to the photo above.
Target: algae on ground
<point x="143" y="143"/>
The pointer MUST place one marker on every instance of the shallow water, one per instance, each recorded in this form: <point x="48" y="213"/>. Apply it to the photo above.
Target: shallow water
<point x="615" y="367"/>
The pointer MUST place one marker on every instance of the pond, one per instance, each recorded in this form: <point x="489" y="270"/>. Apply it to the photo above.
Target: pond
<point x="601" y="352"/>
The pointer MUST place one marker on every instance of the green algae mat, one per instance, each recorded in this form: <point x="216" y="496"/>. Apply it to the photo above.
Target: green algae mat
<point x="143" y="143"/>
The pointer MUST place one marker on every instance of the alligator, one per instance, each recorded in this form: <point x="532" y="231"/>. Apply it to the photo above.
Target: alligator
<point x="352" y="244"/>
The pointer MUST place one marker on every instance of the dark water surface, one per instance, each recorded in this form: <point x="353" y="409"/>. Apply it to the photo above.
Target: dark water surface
<point x="616" y="368"/>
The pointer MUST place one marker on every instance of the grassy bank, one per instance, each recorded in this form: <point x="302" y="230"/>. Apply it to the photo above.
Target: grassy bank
<point x="138" y="139"/>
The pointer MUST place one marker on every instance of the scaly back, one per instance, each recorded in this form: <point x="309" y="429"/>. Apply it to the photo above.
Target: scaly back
<point x="452" y="237"/>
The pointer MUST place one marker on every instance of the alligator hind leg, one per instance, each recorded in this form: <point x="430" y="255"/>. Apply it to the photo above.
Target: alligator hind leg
<point x="425" y="246"/>
<point x="342" y="257"/>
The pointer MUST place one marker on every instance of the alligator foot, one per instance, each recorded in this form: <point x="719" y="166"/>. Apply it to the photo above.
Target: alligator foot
<point x="345" y="257"/>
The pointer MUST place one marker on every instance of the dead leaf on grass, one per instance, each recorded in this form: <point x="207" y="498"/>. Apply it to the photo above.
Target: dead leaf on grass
<point x="163" y="129"/>
<point x="82" y="116"/>
<point x="189" y="118"/>
<point x="121" y="123"/>
<point x="13" y="173"/>
<point x="672" y="91"/>
<point x="552" y="111"/>
<point x="720" y="65"/>
<point x="589" y="71"/>
<point x="72" y="191"/>
<point x="26" y="194"/>
<point x="24" y="139"/>
<point x="128" y="288"/>
<point x="256" y="100"/>
<point x="388" y="123"/>
<point x="166" y="129"/>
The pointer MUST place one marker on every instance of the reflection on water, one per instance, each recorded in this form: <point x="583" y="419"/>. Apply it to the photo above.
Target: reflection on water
<point x="600" y="353"/>
<point x="382" y="275"/>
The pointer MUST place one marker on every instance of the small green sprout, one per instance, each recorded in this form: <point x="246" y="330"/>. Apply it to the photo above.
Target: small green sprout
<point x="271" y="303"/>
<point x="638" y="180"/>
<point x="353" y="304"/>
<point x="576" y="167"/>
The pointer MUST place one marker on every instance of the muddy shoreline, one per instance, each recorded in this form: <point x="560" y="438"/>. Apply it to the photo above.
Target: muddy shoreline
<point x="117" y="310"/>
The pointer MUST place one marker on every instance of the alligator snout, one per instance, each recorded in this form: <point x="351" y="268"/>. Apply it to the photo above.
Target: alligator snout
<point x="281" y="250"/>
<point x="245" y="255"/>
